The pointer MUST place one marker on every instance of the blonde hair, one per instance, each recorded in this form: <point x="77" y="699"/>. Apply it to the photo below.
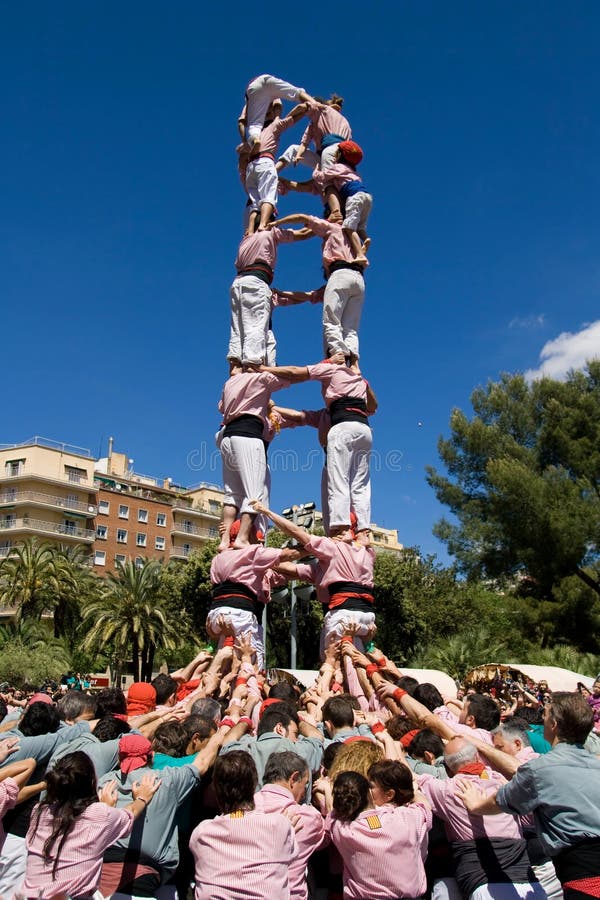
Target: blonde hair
<point x="358" y="756"/>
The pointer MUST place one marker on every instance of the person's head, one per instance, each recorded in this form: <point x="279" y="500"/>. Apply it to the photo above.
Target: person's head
<point x="198" y="731"/>
<point x="398" y="726"/>
<point x="141" y="698"/>
<point x="166" y="690"/>
<point x="207" y="707"/>
<point x="70" y="789"/>
<point x="596" y="688"/>
<point x="3" y="709"/>
<point x="235" y="779"/>
<point x="479" y="711"/>
<point x="288" y="770"/>
<point x="568" y="718"/>
<point x="407" y="683"/>
<point x="532" y="715"/>
<point x="350" y="153"/>
<point x="458" y="752"/>
<point x="336" y="101"/>
<point x="350" y="795"/>
<point x="135" y="752"/>
<point x="511" y="736"/>
<point x="111" y="702"/>
<point x="75" y="706"/>
<point x="329" y="754"/>
<point x="170" y="738"/>
<point x="39" y="718"/>
<point x="428" y="695"/>
<point x="338" y="713"/>
<point x="585" y="691"/>
<point x="110" y="728"/>
<point x="281" y="719"/>
<point x="284" y="690"/>
<point x="341" y="533"/>
<point x="357" y="756"/>
<point x="427" y="746"/>
<point x="391" y="781"/>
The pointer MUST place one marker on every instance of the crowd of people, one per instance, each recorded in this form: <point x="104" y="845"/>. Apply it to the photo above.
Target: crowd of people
<point x="215" y="782"/>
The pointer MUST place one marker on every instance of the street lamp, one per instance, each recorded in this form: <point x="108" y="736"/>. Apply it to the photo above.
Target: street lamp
<point x="300" y="515"/>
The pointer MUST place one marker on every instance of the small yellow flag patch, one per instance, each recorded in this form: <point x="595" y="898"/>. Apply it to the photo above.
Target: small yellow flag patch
<point x="373" y="822"/>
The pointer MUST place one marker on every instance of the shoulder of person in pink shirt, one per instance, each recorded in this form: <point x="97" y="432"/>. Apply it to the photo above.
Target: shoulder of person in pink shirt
<point x="282" y="235"/>
<point x="323" y="371"/>
<point x="273" y="382"/>
<point x="9" y="791"/>
<point x="322" y="547"/>
<point x="525" y="754"/>
<point x="280" y="125"/>
<point x="320" y="226"/>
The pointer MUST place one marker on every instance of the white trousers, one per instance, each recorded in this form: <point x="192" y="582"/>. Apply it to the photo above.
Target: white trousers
<point x="328" y="156"/>
<point x="241" y="622"/>
<point x="509" y="891"/>
<point x="358" y="208"/>
<point x="166" y="892"/>
<point x="546" y="875"/>
<point x="262" y="182"/>
<point x="246" y="475"/>
<point x="249" y="324"/>
<point x="342" y="308"/>
<point x="348" y="476"/>
<point x="309" y="158"/>
<point x="12" y="865"/>
<point x="336" y="623"/>
<point x="260" y="93"/>
<point x="325" y="497"/>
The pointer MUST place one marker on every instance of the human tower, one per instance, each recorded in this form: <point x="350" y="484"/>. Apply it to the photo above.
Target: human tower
<point x="341" y="564"/>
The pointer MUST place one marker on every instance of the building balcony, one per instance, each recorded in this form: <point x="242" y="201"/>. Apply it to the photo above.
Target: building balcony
<point x="15" y="472"/>
<point x="39" y="498"/>
<point x="203" y="512"/>
<point x="180" y="552"/>
<point x="193" y="530"/>
<point x="28" y="525"/>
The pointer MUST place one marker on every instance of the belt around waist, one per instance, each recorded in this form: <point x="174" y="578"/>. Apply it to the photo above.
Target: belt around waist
<point x="233" y="601"/>
<point x="244" y="426"/>
<point x="338" y="264"/>
<point x="264" y="272"/>
<point x="351" y="604"/>
<point x="328" y="140"/>
<point x="348" y="409"/>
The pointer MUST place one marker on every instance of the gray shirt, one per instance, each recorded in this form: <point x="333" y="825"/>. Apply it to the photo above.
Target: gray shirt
<point x="154" y="833"/>
<point x="260" y="749"/>
<point x="104" y="756"/>
<point x="562" y="790"/>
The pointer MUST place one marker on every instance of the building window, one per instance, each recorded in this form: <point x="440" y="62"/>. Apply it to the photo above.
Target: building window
<point x="100" y="558"/>
<point x="159" y="543"/>
<point x="215" y="507"/>
<point x="187" y="526"/>
<point x="142" y="515"/>
<point x="103" y="507"/>
<point x="140" y="539"/>
<point x="101" y="532"/>
<point x="123" y="511"/>
<point x="121" y="536"/>
<point x="161" y="519"/>
<point x="119" y="559"/>
<point x="75" y="475"/>
<point x="213" y="532"/>
<point x="13" y="467"/>
<point x="139" y="562"/>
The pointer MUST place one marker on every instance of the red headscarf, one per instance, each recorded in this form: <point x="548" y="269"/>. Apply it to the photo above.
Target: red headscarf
<point x="141" y="698"/>
<point x="351" y="152"/>
<point x="134" y="750"/>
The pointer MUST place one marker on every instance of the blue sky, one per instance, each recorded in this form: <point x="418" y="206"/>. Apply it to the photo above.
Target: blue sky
<point x="121" y="215"/>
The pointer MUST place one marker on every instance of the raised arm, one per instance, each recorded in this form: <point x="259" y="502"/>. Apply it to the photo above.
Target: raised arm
<point x="294" y="531"/>
<point x="371" y="400"/>
<point x="291" y="373"/>
<point x="242" y="123"/>
<point x="292" y="219"/>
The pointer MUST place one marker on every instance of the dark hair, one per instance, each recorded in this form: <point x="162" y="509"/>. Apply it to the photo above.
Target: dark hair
<point x="281" y="766"/>
<point x="170" y="738"/>
<point x="203" y="726"/>
<point x="279" y="714"/>
<point x="235" y="779"/>
<point x="394" y="776"/>
<point x="573" y="715"/>
<point x="533" y="715"/>
<point x="73" y="704"/>
<point x="398" y="726"/>
<point x="109" y="728"/>
<point x="428" y="695"/>
<point x="71" y="788"/>
<point x="207" y="707"/>
<point x="165" y="687"/>
<point x="407" y="683"/>
<point x="423" y="741"/>
<point x="329" y="754"/>
<point x="484" y="711"/>
<point x="283" y="690"/>
<point x="3" y="709"/>
<point x="111" y="701"/>
<point x="350" y="795"/>
<point x="351" y="699"/>
<point x="339" y="712"/>
<point x="39" y="718"/>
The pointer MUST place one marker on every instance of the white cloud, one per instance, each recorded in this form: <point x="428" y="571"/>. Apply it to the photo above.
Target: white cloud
<point x="529" y="322"/>
<point x="568" y="351"/>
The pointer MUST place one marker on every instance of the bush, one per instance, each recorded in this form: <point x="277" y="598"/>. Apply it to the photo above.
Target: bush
<point x="20" y="666"/>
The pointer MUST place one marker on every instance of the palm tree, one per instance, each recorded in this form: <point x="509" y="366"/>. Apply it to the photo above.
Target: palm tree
<point x="129" y="616"/>
<point x="77" y="583"/>
<point x="30" y="578"/>
<point x="459" y="653"/>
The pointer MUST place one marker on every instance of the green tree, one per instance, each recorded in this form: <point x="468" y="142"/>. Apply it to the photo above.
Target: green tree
<point x="129" y="616"/>
<point x="459" y="653"/>
<point x="524" y="482"/>
<point x="31" y="577"/>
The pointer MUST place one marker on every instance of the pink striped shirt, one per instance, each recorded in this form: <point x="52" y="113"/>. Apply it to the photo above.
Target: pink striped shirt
<point x="310" y="837"/>
<point x="384" y="851"/>
<point x="243" y="856"/>
<point x="460" y="728"/>
<point x="336" y="245"/>
<point x="341" y="561"/>
<point x="246" y="566"/>
<point x="313" y="573"/>
<point x="262" y="245"/>
<point x="9" y="791"/>
<point x="322" y="122"/>
<point x="269" y="136"/>
<point x="337" y="381"/>
<point x="248" y="393"/>
<point x="80" y="861"/>
<point x="338" y="175"/>
<point x="459" y="823"/>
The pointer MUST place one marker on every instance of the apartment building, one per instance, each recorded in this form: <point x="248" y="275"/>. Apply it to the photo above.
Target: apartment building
<point x="381" y="538"/>
<point x="47" y="490"/>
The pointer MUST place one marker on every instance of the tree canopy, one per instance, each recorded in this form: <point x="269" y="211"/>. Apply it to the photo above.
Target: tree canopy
<point x="524" y="482"/>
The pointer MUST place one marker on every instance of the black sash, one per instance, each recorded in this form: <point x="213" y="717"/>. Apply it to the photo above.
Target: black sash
<point x="352" y="604"/>
<point x="244" y="426"/>
<point x="259" y="269"/>
<point x="348" y="409"/>
<point x="338" y="264"/>
<point x="236" y="596"/>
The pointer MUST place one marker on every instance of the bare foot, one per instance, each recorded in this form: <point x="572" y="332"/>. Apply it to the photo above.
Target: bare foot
<point x="239" y="544"/>
<point x="263" y="228"/>
<point x="224" y="544"/>
<point x="366" y="245"/>
<point x="361" y="260"/>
